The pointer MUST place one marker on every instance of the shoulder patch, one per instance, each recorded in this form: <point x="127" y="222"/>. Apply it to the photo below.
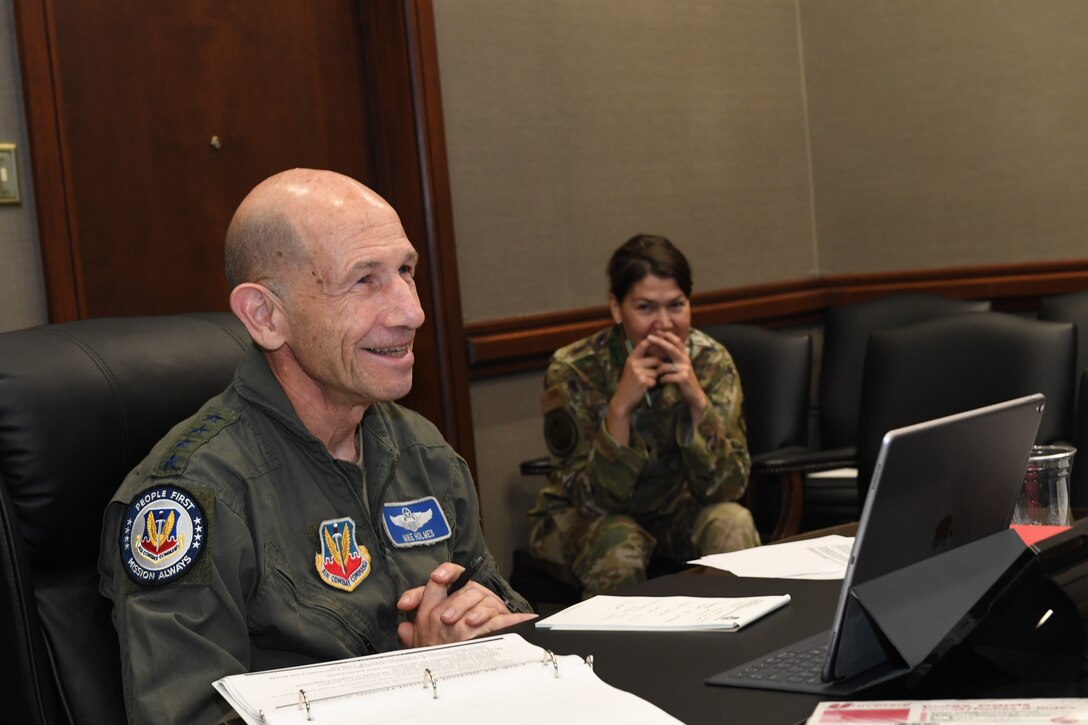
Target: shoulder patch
<point x="415" y="523"/>
<point x="560" y="432"/>
<point x="162" y="535"/>
<point x="206" y="426"/>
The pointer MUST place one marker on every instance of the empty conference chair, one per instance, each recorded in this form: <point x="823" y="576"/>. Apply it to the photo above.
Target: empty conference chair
<point x="1078" y="485"/>
<point x="847" y="329"/>
<point x="950" y="365"/>
<point x="775" y="372"/>
<point x="1073" y="308"/>
<point x="846" y="334"/>
<point x="80" y="404"/>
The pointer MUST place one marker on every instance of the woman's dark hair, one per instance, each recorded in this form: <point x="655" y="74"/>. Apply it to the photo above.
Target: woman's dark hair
<point x="645" y="254"/>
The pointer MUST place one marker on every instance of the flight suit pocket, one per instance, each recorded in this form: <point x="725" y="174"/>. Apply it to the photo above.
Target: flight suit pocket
<point x="296" y="611"/>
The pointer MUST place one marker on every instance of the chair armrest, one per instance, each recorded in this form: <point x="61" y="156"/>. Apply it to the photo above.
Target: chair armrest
<point x="803" y="460"/>
<point x="536" y="467"/>
<point x="789" y="466"/>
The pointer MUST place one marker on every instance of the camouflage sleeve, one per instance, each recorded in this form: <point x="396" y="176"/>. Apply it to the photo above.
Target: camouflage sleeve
<point x="715" y="453"/>
<point x="597" y="473"/>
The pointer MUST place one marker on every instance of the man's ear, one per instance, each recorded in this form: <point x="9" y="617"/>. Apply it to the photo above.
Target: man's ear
<point x="259" y="310"/>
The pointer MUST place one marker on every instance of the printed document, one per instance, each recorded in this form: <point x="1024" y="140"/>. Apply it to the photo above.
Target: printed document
<point x="665" y="614"/>
<point x="824" y="557"/>
<point x="952" y="712"/>
<point x="499" y="679"/>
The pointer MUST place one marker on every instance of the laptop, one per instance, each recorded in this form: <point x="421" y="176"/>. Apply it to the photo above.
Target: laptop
<point x="936" y="486"/>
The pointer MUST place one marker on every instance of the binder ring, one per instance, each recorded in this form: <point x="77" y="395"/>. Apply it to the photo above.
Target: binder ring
<point x="549" y="655"/>
<point x="302" y="701"/>
<point x="428" y="678"/>
<point x="589" y="661"/>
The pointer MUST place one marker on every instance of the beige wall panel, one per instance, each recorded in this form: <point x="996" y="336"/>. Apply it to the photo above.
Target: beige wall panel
<point x="509" y="429"/>
<point x="947" y="133"/>
<point x="571" y="125"/>
<point x="22" y="290"/>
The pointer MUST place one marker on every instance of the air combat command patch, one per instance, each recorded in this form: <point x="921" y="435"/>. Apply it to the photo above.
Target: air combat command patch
<point x="414" y="523"/>
<point x="342" y="563"/>
<point x="162" y="535"/>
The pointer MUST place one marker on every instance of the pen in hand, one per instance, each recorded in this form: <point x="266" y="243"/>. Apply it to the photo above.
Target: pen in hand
<point x="466" y="575"/>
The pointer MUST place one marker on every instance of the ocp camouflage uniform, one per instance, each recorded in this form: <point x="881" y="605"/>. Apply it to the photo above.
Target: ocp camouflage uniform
<point x="608" y="507"/>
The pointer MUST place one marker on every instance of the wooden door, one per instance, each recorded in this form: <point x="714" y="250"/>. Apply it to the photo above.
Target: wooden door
<point x="150" y="121"/>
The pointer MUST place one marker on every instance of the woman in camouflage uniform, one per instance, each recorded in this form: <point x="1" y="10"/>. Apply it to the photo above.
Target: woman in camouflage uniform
<point x="643" y="421"/>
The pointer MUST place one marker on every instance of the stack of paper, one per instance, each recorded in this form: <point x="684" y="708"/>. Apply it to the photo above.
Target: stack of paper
<point x="665" y="614"/>
<point x="824" y="557"/>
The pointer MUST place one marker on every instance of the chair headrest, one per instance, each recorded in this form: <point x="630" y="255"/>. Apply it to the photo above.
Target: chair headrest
<point x="83" y="402"/>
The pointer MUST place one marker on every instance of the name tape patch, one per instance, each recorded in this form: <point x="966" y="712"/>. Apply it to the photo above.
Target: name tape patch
<point x="415" y="523"/>
<point x="162" y="535"/>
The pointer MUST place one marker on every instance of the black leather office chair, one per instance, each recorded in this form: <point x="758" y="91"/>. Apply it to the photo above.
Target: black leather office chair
<point x="846" y="333"/>
<point x="958" y="363"/>
<point x="80" y="404"/>
<point x="1078" y="484"/>
<point x="776" y="373"/>
<point x="1073" y="308"/>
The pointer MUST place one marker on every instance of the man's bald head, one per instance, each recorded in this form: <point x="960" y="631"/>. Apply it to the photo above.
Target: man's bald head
<point x="272" y="227"/>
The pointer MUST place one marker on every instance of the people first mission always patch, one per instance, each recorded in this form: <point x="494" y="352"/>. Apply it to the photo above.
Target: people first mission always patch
<point x="162" y="535"/>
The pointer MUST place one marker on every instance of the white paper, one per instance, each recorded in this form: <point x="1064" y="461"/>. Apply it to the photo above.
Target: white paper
<point x="664" y="614"/>
<point x="824" y="557"/>
<point x="952" y="712"/>
<point x="834" y="473"/>
<point x="494" y="680"/>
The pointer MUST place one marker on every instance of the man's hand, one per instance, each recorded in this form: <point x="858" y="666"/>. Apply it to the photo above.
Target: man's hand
<point x="440" y="618"/>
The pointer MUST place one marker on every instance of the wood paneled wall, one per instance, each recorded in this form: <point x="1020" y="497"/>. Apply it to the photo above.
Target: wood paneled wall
<point x="500" y="347"/>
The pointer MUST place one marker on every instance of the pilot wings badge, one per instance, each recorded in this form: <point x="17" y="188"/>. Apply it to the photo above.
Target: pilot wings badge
<point x="342" y="563"/>
<point x="415" y="523"/>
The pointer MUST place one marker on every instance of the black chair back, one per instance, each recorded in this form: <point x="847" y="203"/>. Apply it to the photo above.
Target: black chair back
<point x="1073" y="308"/>
<point x="958" y="363"/>
<point x="1078" y="484"/>
<point x="775" y="374"/>
<point x="846" y="333"/>
<point x="80" y="404"/>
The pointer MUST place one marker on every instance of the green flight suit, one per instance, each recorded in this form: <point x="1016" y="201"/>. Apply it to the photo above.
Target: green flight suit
<point x="255" y="599"/>
<point x="608" y="507"/>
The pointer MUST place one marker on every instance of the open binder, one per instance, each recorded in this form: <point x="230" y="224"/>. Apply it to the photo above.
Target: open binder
<point x="495" y="679"/>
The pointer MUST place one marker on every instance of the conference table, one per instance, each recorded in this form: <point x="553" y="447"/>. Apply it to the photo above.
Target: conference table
<point x="668" y="669"/>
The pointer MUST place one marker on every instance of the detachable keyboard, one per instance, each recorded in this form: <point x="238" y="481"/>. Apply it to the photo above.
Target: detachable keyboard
<point x="799" y="664"/>
<point x="798" y="668"/>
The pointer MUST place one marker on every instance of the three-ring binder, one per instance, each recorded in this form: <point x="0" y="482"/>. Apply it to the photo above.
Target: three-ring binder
<point x="302" y="701"/>
<point x="307" y="697"/>
<point x="428" y="678"/>
<point x="549" y="655"/>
